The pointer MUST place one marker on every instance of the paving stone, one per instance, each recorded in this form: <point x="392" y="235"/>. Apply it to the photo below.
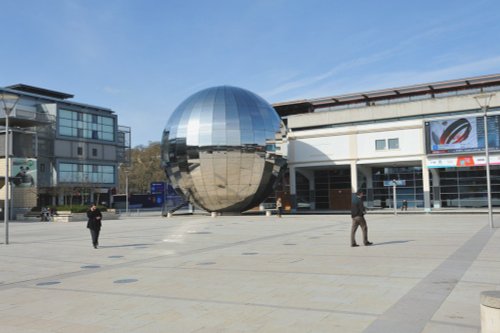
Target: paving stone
<point x="181" y="275"/>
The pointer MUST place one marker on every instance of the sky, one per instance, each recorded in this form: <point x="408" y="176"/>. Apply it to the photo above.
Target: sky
<point x="142" y="58"/>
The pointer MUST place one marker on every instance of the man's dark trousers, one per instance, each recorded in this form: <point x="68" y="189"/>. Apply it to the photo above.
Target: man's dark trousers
<point x="359" y="221"/>
<point x="95" y="236"/>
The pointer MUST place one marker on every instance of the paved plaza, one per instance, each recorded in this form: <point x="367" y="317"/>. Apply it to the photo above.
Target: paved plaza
<point x="195" y="273"/>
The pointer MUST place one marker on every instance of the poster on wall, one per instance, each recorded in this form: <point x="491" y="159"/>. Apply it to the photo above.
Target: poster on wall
<point x="456" y="134"/>
<point x="465" y="134"/>
<point x="461" y="161"/>
<point x="24" y="172"/>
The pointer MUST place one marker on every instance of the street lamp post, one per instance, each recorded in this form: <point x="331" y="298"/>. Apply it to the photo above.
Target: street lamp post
<point x="484" y="103"/>
<point x="123" y="167"/>
<point x="394" y="183"/>
<point x="9" y="102"/>
<point x="126" y="192"/>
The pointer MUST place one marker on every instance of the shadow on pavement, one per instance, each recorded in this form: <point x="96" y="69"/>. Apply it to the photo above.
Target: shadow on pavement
<point x="394" y="242"/>
<point x="125" y="245"/>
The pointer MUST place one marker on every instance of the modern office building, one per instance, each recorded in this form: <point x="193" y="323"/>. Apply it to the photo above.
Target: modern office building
<point x="60" y="151"/>
<point x="429" y="138"/>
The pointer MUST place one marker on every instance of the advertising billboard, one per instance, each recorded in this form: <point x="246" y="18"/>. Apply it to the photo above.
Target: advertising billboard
<point x="458" y="135"/>
<point x="24" y="172"/>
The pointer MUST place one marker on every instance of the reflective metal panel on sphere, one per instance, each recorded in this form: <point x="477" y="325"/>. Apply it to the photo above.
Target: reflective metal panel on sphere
<point x="222" y="148"/>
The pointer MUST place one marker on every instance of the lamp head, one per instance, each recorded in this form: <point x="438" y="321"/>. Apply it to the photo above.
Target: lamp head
<point x="9" y="102"/>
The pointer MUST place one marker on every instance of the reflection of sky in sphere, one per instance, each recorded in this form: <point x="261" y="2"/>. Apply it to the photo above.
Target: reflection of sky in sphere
<point x="219" y="148"/>
<point x="224" y="116"/>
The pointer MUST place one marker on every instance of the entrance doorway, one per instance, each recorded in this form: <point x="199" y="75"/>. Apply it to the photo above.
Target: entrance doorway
<point x="340" y="199"/>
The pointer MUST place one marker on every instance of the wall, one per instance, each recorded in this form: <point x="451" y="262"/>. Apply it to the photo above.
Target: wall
<point x="426" y="107"/>
<point x="340" y="146"/>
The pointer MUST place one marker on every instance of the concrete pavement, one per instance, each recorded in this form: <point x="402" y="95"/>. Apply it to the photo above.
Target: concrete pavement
<point x="424" y="273"/>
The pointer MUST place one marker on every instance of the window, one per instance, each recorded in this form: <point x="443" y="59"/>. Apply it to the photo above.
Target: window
<point x="94" y="152"/>
<point x="80" y="151"/>
<point x="86" y="125"/>
<point x="394" y="143"/>
<point x="85" y="173"/>
<point x="380" y="144"/>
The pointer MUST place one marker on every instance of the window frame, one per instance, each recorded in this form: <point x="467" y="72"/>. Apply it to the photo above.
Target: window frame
<point x="377" y="141"/>
<point x="392" y="140"/>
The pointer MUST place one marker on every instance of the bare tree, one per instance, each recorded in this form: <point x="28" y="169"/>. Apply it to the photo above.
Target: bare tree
<point x="144" y="169"/>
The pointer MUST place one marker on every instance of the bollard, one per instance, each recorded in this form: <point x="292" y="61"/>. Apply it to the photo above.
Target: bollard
<point x="214" y="214"/>
<point x="268" y="213"/>
<point x="169" y="214"/>
<point x="490" y="311"/>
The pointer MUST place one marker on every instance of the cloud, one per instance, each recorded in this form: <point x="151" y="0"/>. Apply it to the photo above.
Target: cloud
<point x="325" y="85"/>
<point x="306" y="82"/>
<point x="490" y="65"/>
<point x="112" y="90"/>
<point x="371" y="69"/>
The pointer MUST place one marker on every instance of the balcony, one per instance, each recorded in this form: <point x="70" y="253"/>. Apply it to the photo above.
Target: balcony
<point x="24" y="116"/>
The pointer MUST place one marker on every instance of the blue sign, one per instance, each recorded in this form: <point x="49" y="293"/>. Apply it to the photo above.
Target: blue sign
<point x="396" y="182"/>
<point x="157" y="188"/>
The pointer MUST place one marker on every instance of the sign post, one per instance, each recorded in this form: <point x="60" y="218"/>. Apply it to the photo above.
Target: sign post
<point x="394" y="183"/>
<point x="394" y="197"/>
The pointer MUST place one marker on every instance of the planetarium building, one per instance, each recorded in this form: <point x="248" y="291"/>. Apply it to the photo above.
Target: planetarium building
<point x="426" y="143"/>
<point x="222" y="149"/>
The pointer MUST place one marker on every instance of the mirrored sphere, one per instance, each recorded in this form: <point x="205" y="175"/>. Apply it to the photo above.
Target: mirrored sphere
<point x="222" y="149"/>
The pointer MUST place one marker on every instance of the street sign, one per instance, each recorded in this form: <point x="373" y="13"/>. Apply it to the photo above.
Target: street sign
<point x="395" y="182"/>
<point x="157" y="188"/>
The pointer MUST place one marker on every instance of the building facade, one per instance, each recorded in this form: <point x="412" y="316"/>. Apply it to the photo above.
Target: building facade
<point x="429" y="139"/>
<point x="60" y="151"/>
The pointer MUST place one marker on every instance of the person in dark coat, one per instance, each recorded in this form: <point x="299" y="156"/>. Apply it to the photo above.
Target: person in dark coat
<point x="404" y="206"/>
<point x="358" y="219"/>
<point x="94" y="224"/>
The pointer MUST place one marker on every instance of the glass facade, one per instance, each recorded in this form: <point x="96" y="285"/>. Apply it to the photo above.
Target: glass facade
<point x="333" y="188"/>
<point x="466" y="187"/>
<point x="412" y="191"/>
<point x="304" y="195"/>
<point x="85" y="125"/>
<point x="86" y="173"/>
<point x="463" y="187"/>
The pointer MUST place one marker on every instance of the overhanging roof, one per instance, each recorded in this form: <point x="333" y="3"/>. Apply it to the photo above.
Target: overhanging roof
<point x="40" y="91"/>
<point x="308" y="105"/>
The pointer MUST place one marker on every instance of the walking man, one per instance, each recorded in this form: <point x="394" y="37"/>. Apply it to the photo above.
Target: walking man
<point x="94" y="224"/>
<point x="358" y="220"/>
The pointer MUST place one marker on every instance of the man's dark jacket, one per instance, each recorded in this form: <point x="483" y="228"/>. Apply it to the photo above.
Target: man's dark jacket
<point x="94" y="223"/>
<point x="357" y="207"/>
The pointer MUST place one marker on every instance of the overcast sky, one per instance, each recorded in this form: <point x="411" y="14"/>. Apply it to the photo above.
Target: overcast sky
<point x="142" y="58"/>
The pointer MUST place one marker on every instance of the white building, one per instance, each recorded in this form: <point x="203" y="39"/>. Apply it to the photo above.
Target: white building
<point x="429" y="136"/>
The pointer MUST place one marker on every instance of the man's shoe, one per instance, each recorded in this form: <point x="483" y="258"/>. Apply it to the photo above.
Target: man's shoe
<point x="369" y="243"/>
<point x="354" y="245"/>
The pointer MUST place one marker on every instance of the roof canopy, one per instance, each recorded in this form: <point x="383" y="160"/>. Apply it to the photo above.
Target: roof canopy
<point x="39" y="91"/>
<point x="308" y="105"/>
